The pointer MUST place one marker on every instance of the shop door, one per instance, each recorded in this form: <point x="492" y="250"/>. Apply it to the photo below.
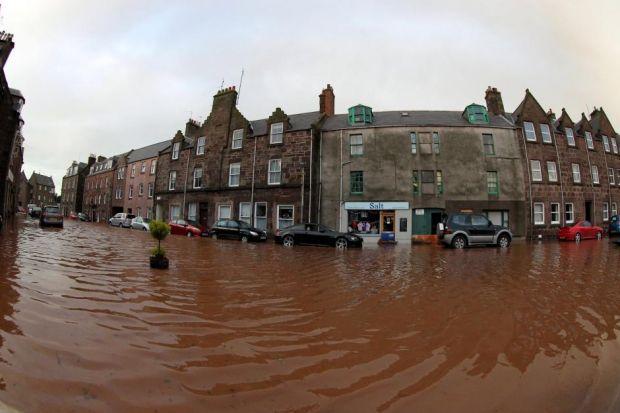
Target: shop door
<point x="387" y="221"/>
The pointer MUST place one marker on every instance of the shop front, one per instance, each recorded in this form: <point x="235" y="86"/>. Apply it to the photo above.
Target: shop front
<point x="372" y="219"/>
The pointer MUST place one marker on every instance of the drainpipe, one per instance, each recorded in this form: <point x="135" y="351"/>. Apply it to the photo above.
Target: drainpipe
<point x="252" y="191"/>
<point x="529" y="178"/>
<point x="320" y="200"/>
<point x="310" y="185"/>
<point x="189" y="154"/>
<point x="608" y="185"/>
<point x="303" y="187"/>
<point x="592" y="183"/>
<point x="557" y="155"/>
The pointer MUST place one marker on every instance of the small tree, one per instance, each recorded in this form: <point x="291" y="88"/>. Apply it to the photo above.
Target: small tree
<point x="159" y="231"/>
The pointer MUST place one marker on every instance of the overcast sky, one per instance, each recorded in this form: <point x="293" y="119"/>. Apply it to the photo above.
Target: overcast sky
<point x="107" y="76"/>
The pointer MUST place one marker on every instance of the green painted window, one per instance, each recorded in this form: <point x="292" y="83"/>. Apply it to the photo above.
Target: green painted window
<point x="357" y="182"/>
<point x="476" y="114"/>
<point x="436" y="143"/>
<point x="489" y="145"/>
<point x="416" y="183"/>
<point x="360" y="114"/>
<point x="414" y="143"/>
<point x="492" y="183"/>
<point x="439" y="179"/>
<point x="357" y="145"/>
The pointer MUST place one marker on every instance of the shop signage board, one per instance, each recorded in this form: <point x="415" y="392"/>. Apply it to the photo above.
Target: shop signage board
<point x="376" y="205"/>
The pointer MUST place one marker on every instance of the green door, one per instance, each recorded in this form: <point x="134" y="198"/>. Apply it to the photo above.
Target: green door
<point x="425" y="220"/>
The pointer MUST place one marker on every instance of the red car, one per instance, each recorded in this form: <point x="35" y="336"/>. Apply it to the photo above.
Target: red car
<point x="581" y="230"/>
<point x="182" y="227"/>
<point x="73" y="216"/>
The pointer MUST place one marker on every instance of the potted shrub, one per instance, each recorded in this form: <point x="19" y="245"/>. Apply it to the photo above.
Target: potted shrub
<point x="159" y="230"/>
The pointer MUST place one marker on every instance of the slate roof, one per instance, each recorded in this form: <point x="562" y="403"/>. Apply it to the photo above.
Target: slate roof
<point x="299" y="121"/>
<point x="42" y="179"/>
<point x="146" y="152"/>
<point x="416" y="118"/>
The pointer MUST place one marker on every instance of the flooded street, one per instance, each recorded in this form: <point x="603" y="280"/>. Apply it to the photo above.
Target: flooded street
<point x="85" y="325"/>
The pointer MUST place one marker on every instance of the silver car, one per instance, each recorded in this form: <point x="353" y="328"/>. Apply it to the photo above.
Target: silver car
<point x="140" y="223"/>
<point x="121" y="220"/>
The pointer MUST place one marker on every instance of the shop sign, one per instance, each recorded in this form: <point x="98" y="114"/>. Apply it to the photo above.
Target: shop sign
<point x="376" y="205"/>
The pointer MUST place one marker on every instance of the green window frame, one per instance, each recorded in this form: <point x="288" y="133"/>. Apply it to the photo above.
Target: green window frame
<point x="356" y="144"/>
<point x="492" y="183"/>
<point x="477" y="114"/>
<point x="489" y="144"/>
<point x="439" y="180"/>
<point x="414" y="143"/>
<point x="415" y="182"/>
<point x="436" y="143"/>
<point x="357" y="182"/>
<point x="360" y="114"/>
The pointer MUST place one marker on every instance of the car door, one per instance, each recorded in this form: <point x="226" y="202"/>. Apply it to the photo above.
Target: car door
<point x="232" y="230"/>
<point x="306" y="233"/>
<point x="481" y="230"/>
<point x="587" y="230"/>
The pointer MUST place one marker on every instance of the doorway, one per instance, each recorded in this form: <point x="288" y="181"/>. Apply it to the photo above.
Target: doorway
<point x="387" y="221"/>
<point x="589" y="211"/>
<point x="203" y="214"/>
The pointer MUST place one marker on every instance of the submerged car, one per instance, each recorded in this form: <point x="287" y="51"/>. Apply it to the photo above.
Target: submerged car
<point x="51" y="216"/>
<point x="614" y="225"/>
<point x="121" y="220"/>
<point x="83" y="217"/>
<point x="462" y="230"/>
<point x="235" y="229"/>
<point x="140" y="223"/>
<point x="315" y="234"/>
<point x="580" y="230"/>
<point x="182" y="227"/>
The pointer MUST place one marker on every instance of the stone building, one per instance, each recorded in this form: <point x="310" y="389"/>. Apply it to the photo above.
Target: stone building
<point x="98" y="189"/>
<point x="43" y="190"/>
<point x="73" y="186"/>
<point x="572" y="170"/>
<point x="263" y="172"/>
<point x="24" y="192"/>
<point x="400" y="171"/>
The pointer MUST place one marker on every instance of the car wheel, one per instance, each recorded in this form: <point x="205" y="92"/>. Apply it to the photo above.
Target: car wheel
<point x="214" y="236"/>
<point x="144" y="229"/>
<point x="189" y="234"/>
<point x="459" y="242"/>
<point x="578" y="237"/>
<point x="503" y="241"/>
<point x="599" y="236"/>
<point x="341" y="243"/>
<point x="288" y="241"/>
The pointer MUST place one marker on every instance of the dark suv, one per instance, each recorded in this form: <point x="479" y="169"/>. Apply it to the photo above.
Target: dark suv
<point x="235" y="229"/>
<point x="462" y="230"/>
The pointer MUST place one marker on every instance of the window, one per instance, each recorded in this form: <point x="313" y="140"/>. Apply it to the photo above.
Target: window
<point x="428" y="182"/>
<point x="357" y="145"/>
<point x="539" y="213"/>
<point x="416" y="183"/>
<point x="569" y="213"/>
<point x="285" y="216"/>
<point x="175" y="212"/>
<point x="260" y="215"/>
<point x="606" y="143"/>
<point x="489" y="145"/>
<point x="436" y="143"/>
<point x="614" y="209"/>
<point x="576" y="173"/>
<point x="172" y="181"/>
<point x="153" y="166"/>
<point x="594" y="171"/>
<point x="119" y="193"/>
<point x="605" y="211"/>
<point x="530" y="132"/>
<point x="570" y="137"/>
<point x="237" y="139"/>
<point x="414" y="143"/>
<point x="536" y="171"/>
<point x="224" y="211"/>
<point x="439" y="178"/>
<point x="277" y="131"/>
<point x="130" y="191"/>
<point x="492" y="183"/>
<point x="426" y="145"/>
<point x="120" y="173"/>
<point x="192" y="211"/>
<point x="546" y="133"/>
<point x="139" y="212"/>
<point x="141" y="189"/>
<point x="614" y="145"/>
<point x="175" y="150"/>
<point x="589" y="141"/>
<point x="357" y="182"/>
<point x="133" y="170"/>
<point x="150" y="190"/>
<point x="610" y="173"/>
<point x="149" y="212"/>
<point x="200" y="145"/>
<point x="245" y="210"/>
<point x="275" y="172"/>
<point x="234" y="174"/>
<point x="552" y="171"/>
<point x="197" y="177"/>
<point x="555" y="213"/>
<point x="143" y="168"/>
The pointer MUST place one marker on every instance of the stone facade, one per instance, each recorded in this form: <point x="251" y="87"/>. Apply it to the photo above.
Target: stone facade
<point x="24" y="192"/>
<point x="72" y="195"/>
<point x="43" y="190"/>
<point x="98" y="189"/>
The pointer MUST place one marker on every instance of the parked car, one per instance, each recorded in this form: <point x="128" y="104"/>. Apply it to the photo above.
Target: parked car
<point x="314" y="234"/>
<point x="140" y="223"/>
<point x="235" y="229"/>
<point x="461" y="230"/>
<point x="581" y="230"/>
<point x="73" y="216"/>
<point x="204" y="231"/>
<point x="182" y="227"/>
<point x="51" y="216"/>
<point x="83" y="217"/>
<point x="614" y="225"/>
<point x="121" y="220"/>
<point x="34" y="211"/>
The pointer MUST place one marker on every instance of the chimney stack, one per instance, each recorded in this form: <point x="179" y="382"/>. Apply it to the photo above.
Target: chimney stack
<point x="191" y="128"/>
<point x="92" y="159"/>
<point x="495" y="105"/>
<point x="327" y="101"/>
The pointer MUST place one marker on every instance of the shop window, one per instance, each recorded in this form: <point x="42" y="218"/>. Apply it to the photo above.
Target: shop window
<point x="237" y="139"/>
<point x="285" y="216"/>
<point x="536" y="171"/>
<point x="539" y="213"/>
<point x="224" y="212"/>
<point x="414" y="143"/>
<point x="576" y="173"/>
<point x="498" y="217"/>
<point x="357" y="182"/>
<point x="492" y="183"/>
<point x="363" y="222"/>
<point x="552" y="171"/>
<point x="233" y="174"/>
<point x="416" y="183"/>
<point x="589" y="141"/>
<point x="277" y="133"/>
<point x="245" y="210"/>
<point x="595" y="179"/>
<point x="569" y="213"/>
<point x="260" y="215"/>
<point x="357" y="145"/>
<point x="530" y="132"/>
<point x="403" y="225"/>
<point x="192" y="211"/>
<point x="546" y="133"/>
<point x="200" y="145"/>
<point x="570" y="137"/>
<point x="555" y="213"/>
<point x="489" y="145"/>
<point x="428" y="182"/>
<point x="176" y="147"/>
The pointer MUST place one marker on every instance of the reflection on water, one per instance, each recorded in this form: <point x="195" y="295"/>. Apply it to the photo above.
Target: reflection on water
<point x="85" y="325"/>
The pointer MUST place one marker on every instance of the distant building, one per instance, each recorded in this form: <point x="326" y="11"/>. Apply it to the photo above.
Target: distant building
<point x="24" y="192"/>
<point x="98" y="189"/>
<point x="43" y="190"/>
<point x="73" y="186"/>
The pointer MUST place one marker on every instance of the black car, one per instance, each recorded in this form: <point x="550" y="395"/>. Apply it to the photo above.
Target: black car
<point x="462" y="230"/>
<point x="83" y="217"/>
<point x="314" y="234"/>
<point x="235" y="229"/>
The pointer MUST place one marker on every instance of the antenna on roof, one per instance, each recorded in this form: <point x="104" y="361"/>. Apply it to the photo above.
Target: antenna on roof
<point x="240" y="83"/>
<point x="222" y="85"/>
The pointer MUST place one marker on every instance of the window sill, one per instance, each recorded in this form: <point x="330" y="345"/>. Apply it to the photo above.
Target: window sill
<point x="276" y="143"/>
<point x="235" y="149"/>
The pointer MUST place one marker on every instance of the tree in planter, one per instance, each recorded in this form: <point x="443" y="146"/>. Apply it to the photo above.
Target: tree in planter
<point x="159" y="231"/>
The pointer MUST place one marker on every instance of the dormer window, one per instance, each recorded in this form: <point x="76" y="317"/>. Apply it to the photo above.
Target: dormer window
<point x="175" y="150"/>
<point x="237" y="139"/>
<point x="530" y="132"/>
<point x="570" y="137"/>
<point x="476" y="114"/>
<point x="360" y="114"/>
<point x="277" y="132"/>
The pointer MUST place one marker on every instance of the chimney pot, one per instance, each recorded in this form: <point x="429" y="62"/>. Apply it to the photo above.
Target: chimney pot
<point x="327" y="101"/>
<point x="495" y="105"/>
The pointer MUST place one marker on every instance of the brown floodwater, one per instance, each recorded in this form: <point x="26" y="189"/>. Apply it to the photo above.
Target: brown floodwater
<point x="85" y="325"/>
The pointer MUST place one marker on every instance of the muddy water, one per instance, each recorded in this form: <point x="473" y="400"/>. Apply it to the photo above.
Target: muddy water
<point x="86" y="326"/>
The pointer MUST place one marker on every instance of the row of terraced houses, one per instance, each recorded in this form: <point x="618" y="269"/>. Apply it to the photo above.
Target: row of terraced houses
<point x="365" y="171"/>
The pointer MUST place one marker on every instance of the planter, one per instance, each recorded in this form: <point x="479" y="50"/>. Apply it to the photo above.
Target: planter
<point x="159" y="262"/>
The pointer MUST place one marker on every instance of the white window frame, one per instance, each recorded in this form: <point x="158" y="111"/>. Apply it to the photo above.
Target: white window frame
<point x="614" y="145"/>
<point x="276" y="131"/>
<point x="532" y="131"/>
<point x="413" y="136"/>
<point x="172" y="183"/>
<point x="541" y="213"/>
<point x="536" y="171"/>
<point x="275" y="172"/>
<point x="245" y="218"/>
<point x="292" y="219"/>
<point x="595" y="177"/>
<point x="558" y="213"/>
<point x="237" y="139"/>
<point x="570" y="136"/>
<point x="554" y="177"/>
<point x="546" y="137"/>
<point x="606" y="143"/>
<point x="194" y="178"/>
<point x="133" y="170"/>
<point x="589" y="141"/>
<point x="153" y="166"/>
<point x="192" y="215"/>
<point x="614" y="209"/>
<point x="605" y="211"/>
<point x="237" y="173"/>
<point x="571" y="212"/>
<point x="150" y="190"/>
<point x="130" y="195"/>
<point x="176" y="148"/>
<point x="140" y="189"/>
<point x="576" y="171"/>
<point x="257" y="217"/>
<point x="356" y="148"/>
<point x="219" y="211"/>
<point x="611" y="176"/>
<point x="172" y="208"/>
<point x="143" y="168"/>
<point x="200" y="145"/>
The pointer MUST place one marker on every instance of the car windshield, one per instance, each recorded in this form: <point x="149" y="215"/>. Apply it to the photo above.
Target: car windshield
<point x="52" y="210"/>
<point x="244" y="225"/>
<point x="181" y="222"/>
